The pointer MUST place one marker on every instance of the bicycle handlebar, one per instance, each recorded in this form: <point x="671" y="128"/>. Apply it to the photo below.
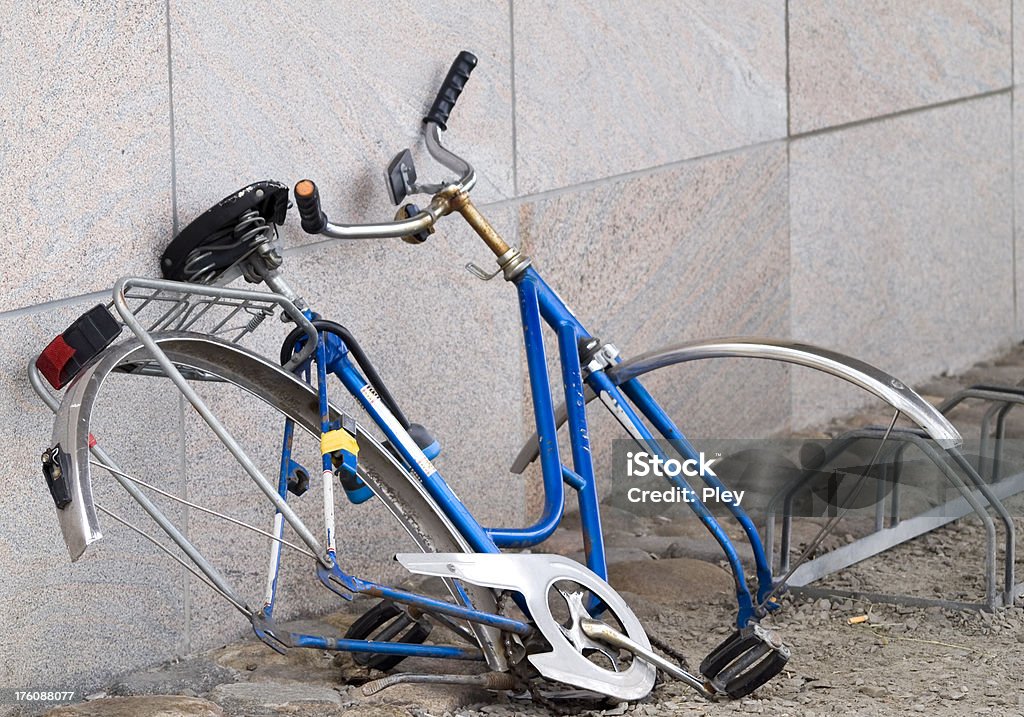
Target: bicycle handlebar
<point x="307" y="196"/>
<point x="307" y="200"/>
<point x="415" y="224"/>
<point x="451" y="88"/>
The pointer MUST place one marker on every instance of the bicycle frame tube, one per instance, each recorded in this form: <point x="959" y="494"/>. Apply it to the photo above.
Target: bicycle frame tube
<point x="338" y="364"/>
<point x="547" y="430"/>
<point x="643" y="400"/>
<point x="331" y="357"/>
<point x="601" y="383"/>
<point x="540" y="305"/>
<point x="278" y="528"/>
<point x="538" y="302"/>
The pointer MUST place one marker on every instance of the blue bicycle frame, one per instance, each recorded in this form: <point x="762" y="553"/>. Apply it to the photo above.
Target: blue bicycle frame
<point x="630" y="402"/>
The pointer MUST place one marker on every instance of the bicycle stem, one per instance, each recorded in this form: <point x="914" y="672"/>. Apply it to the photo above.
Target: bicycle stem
<point x="462" y="204"/>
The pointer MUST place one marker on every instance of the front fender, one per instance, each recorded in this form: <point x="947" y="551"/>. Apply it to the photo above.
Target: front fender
<point x="871" y="379"/>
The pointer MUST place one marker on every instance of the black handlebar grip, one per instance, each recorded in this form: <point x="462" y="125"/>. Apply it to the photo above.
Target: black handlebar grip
<point x="451" y="88"/>
<point x="307" y="200"/>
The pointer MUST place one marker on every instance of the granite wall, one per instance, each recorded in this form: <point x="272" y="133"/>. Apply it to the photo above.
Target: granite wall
<point x="837" y="172"/>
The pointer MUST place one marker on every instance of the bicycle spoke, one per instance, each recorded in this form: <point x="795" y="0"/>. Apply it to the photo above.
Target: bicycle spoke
<point x="204" y="509"/>
<point x="832" y="522"/>
<point x="202" y="578"/>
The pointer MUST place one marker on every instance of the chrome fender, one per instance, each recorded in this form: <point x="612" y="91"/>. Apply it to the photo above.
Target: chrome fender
<point x="230" y="363"/>
<point x="871" y="379"/>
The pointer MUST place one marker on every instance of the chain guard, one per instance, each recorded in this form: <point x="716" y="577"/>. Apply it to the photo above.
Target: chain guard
<point x="533" y="576"/>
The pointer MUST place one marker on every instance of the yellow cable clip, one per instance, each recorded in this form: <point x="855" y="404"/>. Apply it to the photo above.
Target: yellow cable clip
<point x="338" y="440"/>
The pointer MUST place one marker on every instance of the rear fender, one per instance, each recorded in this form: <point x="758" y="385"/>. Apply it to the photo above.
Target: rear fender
<point x="228" y="362"/>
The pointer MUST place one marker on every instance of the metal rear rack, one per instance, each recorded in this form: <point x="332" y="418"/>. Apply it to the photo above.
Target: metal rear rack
<point x="148" y="306"/>
<point x="152" y="306"/>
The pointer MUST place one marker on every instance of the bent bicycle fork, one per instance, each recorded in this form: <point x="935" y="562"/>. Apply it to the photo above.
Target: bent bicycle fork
<point x="539" y="302"/>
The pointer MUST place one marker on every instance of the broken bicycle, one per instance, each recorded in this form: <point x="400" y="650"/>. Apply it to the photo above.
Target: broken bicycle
<point x="185" y="328"/>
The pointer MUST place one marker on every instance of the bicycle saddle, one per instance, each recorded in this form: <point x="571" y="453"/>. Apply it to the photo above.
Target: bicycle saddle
<point x="225" y="233"/>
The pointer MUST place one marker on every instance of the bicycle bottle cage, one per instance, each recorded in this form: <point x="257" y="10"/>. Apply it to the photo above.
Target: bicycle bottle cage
<point x="226" y="233"/>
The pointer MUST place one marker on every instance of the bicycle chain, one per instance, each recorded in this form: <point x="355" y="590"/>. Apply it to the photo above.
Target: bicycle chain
<point x="672" y="652"/>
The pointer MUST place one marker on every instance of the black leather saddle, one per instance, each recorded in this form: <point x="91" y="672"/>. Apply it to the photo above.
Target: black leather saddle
<point x="268" y="198"/>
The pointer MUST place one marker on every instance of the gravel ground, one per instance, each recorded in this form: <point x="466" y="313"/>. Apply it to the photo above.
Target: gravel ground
<point x="889" y="660"/>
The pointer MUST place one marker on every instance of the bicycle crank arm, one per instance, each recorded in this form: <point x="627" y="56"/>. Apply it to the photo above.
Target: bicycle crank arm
<point x="602" y="632"/>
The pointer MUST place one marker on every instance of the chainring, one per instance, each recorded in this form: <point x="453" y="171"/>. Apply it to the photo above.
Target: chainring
<point x="533" y="576"/>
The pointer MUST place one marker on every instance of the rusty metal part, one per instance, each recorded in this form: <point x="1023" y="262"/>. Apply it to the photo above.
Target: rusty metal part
<point x="597" y="630"/>
<point x="488" y="681"/>
<point x="461" y="204"/>
<point x="513" y="263"/>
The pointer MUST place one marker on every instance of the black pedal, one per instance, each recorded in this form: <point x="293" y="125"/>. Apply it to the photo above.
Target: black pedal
<point x="744" y="661"/>
<point x="392" y="622"/>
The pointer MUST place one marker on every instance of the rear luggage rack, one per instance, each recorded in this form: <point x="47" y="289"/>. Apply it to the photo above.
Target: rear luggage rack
<point x="160" y="305"/>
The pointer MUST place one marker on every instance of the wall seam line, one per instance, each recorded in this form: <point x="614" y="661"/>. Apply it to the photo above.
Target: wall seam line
<point x="903" y="113"/>
<point x="512" y="73"/>
<point x="789" y="224"/>
<point x="43" y="307"/>
<point x="170" y="107"/>
<point x="624" y="176"/>
<point x="1013" y="177"/>
<point x="186" y="597"/>
<point x="789" y="113"/>
<point x="669" y="166"/>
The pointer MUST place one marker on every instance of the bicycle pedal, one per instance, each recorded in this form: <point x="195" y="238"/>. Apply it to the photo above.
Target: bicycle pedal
<point x="391" y="624"/>
<point x="744" y="661"/>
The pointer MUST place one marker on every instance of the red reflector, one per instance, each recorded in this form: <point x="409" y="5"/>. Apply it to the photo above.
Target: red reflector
<point x="92" y="441"/>
<point x="53" y="359"/>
